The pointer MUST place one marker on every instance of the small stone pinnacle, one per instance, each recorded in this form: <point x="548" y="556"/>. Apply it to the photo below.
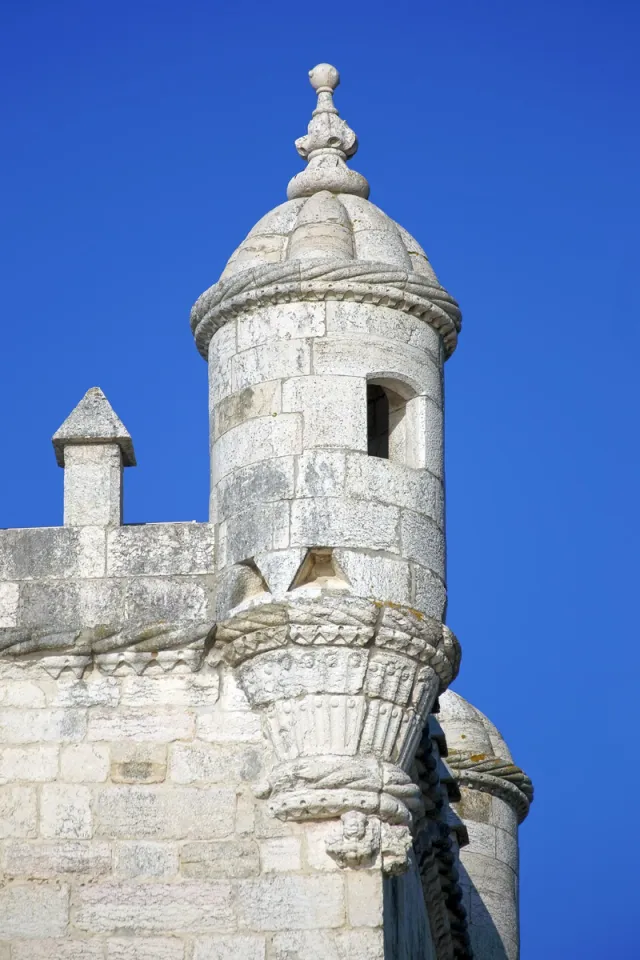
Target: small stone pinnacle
<point x="328" y="144"/>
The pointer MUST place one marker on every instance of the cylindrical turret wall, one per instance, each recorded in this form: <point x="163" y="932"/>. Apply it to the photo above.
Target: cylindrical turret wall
<point x="299" y="394"/>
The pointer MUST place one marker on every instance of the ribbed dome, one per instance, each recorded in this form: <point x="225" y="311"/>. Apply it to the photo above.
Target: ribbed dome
<point x="347" y="227"/>
<point x="468" y="730"/>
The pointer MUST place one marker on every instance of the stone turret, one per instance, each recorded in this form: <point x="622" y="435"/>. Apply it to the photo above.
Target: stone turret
<point x="495" y="796"/>
<point x="326" y="337"/>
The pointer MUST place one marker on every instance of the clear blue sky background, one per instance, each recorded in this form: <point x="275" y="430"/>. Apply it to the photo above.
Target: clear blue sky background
<point x="142" y="140"/>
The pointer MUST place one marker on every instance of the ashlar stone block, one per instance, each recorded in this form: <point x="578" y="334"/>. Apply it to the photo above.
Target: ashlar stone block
<point x="40" y="860"/>
<point x="154" y="725"/>
<point x="31" y="763"/>
<point x="34" y="910"/>
<point x="147" y="948"/>
<point x="156" y="813"/>
<point x="230" y="948"/>
<point x="291" y="902"/>
<point x="18" y="811"/>
<point x="225" y="859"/>
<point x="344" y="522"/>
<point x="334" y="410"/>
<point x="65" y="811"/>
<point x="146" y="859"/>
<point x="259" y="400"/>
<point x="282" y="321"/>
<point x="274" y="360"/>
<point x="256" y="440"/>
<point x="189" y="907"/>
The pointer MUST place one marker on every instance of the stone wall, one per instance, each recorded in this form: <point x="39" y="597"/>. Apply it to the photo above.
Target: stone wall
<point x="129" y="829"/>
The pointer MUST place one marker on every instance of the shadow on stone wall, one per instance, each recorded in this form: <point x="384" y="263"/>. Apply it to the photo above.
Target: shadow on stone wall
<point x="407" y="933"/>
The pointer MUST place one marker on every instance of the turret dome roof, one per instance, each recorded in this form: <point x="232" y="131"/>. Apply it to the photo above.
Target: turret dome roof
<point x="327" y="241"/>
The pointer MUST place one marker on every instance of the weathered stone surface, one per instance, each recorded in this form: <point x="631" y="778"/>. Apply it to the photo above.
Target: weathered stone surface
<point x="321" y="473"/>
<point x="37" y="726"/>
<point x="40" y="860"/>
<point x="18" y="811"/>
<point x="160" y="549"/>
<point x="152" y="812"/>
<point x="360" y="944"/>
<point x="350" y="523"/>
<point x="34" y="910"/>
<point x="371" y="575"/>
<point x="280" y="855"/>
<point x="65" y="811"/>
<point x="312" y="945"/>
<point x="93" y="485"/>
<point x="371" y="357"/>
<point x="146" y="859"/>
<point x="334" y="410"/>
<point x="93" y="690"/>
<point x="291" y="903"/>
<point x="171" y="690"/>
<point x="348" y="317"/>
<point x="154" y="725"/>
<point x="282" y="321"/>
<point x="84" y="763"/>
<point x="261" y="482"/>
<point x="230" y="948"/>
<point x="154" y="908"/>
<point x="138" y="762"/>
<point x="40" y="553"/>
<point x="260" y="400"/>
<point x="214" y="763"/>
<point x="258" y="529"/>
<point x="423" y="541"/>
<point x="254" y="441"/>
<point x="147" y="948"/>
<point x="274" y="360"/>
<point x="32" y="763"/>
<point x="9" y="597"/>
<point x="57" y="950"/>
<point x="230" y="726"/>
<point x="226" y="859"/>
<point x="372" y="478"/>
<point x="364" y="898"/>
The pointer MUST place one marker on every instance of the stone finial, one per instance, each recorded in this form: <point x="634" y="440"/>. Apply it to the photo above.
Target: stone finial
<point x="93" y="445"/>
<point x="329" y="142"/>
<point x="93" y="421"/>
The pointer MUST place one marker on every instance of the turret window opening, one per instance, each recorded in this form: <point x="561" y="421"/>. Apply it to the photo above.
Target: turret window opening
<point x="377" y="421"/>
<point x="393" y="423"/>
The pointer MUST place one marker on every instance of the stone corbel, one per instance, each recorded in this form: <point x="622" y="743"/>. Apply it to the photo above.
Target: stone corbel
<point x="344" y="686"/>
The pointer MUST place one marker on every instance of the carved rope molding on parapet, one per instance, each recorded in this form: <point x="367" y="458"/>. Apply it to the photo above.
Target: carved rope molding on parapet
<point x="325" y="280"/>
<point x="108" y="647"/>
<point x="344" y="686"/>
<point x="501" y="778"/>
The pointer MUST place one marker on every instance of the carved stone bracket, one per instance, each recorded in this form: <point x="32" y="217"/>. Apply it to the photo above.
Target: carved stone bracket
<point x="344" y="686"/>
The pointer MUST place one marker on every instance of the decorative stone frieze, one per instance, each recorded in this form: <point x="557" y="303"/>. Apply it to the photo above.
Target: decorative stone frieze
<point x="496" y="776"/>
<point x="133" y="647"/>
<point x="326" y="279"/>
<point x="344" y="686"/>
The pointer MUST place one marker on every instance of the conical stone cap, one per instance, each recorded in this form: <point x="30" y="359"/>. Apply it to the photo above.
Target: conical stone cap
<point x="94" y="421"/>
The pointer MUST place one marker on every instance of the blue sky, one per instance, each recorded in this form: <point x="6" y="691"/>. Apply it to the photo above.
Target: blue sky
<point x="143" y="140"/>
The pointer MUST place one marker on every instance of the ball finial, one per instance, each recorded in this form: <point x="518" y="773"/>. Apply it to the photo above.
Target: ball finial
<point x="324" y="77"/>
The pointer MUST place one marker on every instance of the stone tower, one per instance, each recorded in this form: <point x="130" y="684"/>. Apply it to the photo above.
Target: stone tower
<point x="231" y="728"/>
